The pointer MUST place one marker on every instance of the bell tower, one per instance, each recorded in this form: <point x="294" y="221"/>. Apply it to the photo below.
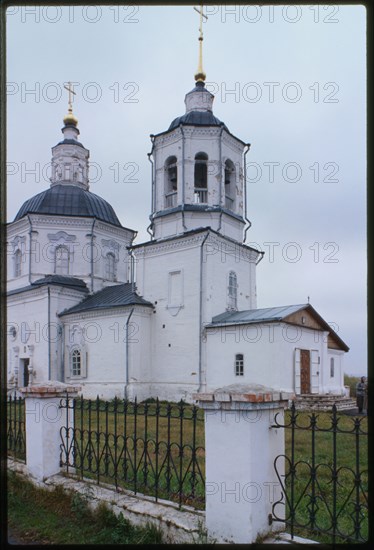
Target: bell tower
<point x="198" y="170"/>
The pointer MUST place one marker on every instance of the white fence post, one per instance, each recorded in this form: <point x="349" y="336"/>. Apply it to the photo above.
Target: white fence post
<point x="240" y="449"/>
<point x="43" y="421"/>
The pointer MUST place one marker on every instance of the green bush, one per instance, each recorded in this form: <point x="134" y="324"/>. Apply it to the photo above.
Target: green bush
<point x="351" y="381"/>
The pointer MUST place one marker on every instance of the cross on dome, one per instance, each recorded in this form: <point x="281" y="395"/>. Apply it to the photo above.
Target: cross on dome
<point x="70" y="118"/>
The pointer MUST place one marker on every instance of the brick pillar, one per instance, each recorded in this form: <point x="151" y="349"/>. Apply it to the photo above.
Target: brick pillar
<point x="44" y="419"/>
<point x="240" y="449"/>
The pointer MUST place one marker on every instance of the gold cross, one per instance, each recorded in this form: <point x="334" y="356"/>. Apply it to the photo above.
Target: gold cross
<point x="200" y="75"/>
<point x="202" y="14"/>
<point x="71" y="91"/>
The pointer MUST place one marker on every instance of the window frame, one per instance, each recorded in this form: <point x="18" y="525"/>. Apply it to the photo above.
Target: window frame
<point x="60" y="269"/>
<point x="239" y="364"/>
<point x="110" y="266"/>
<point x="332" y="367"/>
<point x="232" y="292"/>
<point x="17" y="271"/>
<point x="73" y="355"/>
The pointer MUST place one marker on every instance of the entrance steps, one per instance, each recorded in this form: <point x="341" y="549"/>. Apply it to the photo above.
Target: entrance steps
<point x="318" y="402"/>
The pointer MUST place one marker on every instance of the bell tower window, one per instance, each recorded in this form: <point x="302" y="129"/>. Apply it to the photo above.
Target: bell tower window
<point x="229" y="184"/>
<point x="61" y="260"/>
<point x="171" y="182"/>
<point x="201" y="178"/>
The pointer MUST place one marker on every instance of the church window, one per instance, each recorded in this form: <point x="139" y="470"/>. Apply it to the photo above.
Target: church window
<point x="67" y="172"/>
<point x="201" y="178"/>
<point x="171" y="182"/>
<point x="62" y="260"/>
<point x="239" y="364"/>
<point x="232" y="291"/>
<point x="110" y="267"/>
<point x="332" y="367"/>
<point x="229" y="184"/>
<point x="17" y="263"/>
<point x="76" y="363"/>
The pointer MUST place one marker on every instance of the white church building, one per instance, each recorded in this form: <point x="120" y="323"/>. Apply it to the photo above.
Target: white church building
<point x="167" y="318"/>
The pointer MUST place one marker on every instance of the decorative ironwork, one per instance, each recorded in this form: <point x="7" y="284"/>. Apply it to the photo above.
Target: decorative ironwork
<point x="154" y="448"/>
<point x="16" y="437"/>
<point x="325" y="494"/>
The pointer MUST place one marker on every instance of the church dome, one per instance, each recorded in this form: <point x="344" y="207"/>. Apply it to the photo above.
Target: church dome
<point x="69" y="200"/>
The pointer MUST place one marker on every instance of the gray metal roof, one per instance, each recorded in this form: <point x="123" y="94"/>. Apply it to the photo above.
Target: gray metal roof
<point x="67" y="141"/>
<point x="197" y="118"/>
<point x="69" y="200"/>
<point x="272" y="314"/>
<point x="111" y="296"/>
<point x="256" y="315"/>
<point x="61" y="280"/>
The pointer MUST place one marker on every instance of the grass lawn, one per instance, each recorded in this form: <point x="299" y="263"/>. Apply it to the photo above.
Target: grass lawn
<point x="55" y="517"/>
<point x="335" y="481"/>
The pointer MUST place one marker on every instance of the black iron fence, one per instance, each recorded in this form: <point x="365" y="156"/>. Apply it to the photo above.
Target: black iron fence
<point x="324" y="476"/>
<point x="151" y="447"/>
<point x="16" y="438"/>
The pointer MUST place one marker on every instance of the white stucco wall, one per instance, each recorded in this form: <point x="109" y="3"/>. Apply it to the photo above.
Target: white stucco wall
<point x="37" y="337"/>
<point x="101" y="337"/>
<point x="48" y="232"/>
<point x="269" y="357"/>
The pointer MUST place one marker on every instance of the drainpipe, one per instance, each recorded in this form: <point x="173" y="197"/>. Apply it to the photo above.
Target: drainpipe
<point x="183" y="176"/>
<point x="201" y="311"/>
<point x="220" y="179"/>
<point x="92" y="262"/>
<point x="247" y="147"/>
<point x="127" y="351"/>
<point x="150" y="227"/>
<point x="132" y="262"/>
<point x="62" y="353"/>
<point x="30" y="242"/>
<point x="49" y="333"/>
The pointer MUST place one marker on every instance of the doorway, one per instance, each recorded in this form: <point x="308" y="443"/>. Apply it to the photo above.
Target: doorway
<point x="304" y="371"/>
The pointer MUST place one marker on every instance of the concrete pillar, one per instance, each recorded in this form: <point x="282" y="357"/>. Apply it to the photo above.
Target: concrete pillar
<point x="240" y="449"/>
<point x="44" y="420"/>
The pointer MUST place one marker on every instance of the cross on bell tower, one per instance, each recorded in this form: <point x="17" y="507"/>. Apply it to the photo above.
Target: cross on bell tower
<point x="200" y="76"/>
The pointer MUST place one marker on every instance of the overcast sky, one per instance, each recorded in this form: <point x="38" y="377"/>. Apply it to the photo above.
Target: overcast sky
<point x="289" y="80"/>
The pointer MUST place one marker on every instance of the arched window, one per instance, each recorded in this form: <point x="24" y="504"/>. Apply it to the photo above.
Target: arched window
<point x="75" y="363"/>
<point x="17" y="263"/>
<point x="229" y="184"/>
<point x="232" y="291"/>
<point x="110" y="266"/>
<point x="171" y="182"/>
<point x="239" y="364"/>
<point x="201" y="178"/>
<point x="62" y="260"/>
<point x="332" y="367"/>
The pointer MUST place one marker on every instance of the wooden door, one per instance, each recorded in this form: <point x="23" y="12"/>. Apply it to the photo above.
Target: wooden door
<point x="305" y="371"/>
